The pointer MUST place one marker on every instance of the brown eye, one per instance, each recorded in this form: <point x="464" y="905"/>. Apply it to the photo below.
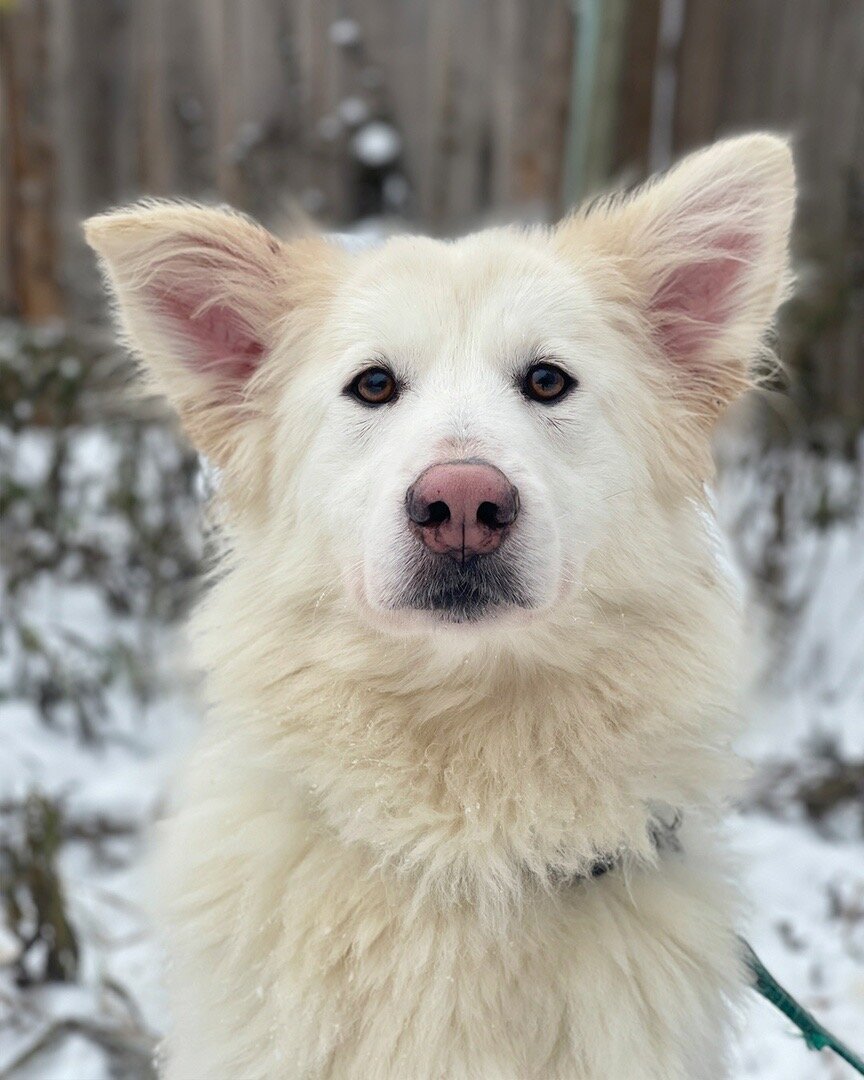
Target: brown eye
<point x="375" y="386"/>
<point x="546" y="383"/>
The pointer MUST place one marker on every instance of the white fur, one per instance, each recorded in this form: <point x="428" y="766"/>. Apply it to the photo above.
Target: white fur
<point x="372" y="868"/>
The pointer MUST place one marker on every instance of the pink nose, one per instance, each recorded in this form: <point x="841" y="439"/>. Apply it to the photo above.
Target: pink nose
<point x="462" y="508"/>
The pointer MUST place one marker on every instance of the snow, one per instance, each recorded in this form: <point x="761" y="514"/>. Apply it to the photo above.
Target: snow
<point x="805" y="875"/>
<point x="103" y="619"/>
<point x="344" y="33"/>
<point x="803" y="885"/>
<point x="377" y="144"/>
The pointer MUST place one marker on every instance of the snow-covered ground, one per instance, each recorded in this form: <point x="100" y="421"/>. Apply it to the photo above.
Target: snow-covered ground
<point x="101" y="544"/>
<point x="797" y="524"/>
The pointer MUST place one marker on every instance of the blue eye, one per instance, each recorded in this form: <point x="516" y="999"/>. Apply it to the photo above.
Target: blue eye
<point x="375" y="386"/>
<point x="546" y="383"/>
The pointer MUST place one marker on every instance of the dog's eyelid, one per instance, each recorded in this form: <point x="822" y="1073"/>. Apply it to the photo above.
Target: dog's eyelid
<point x="377" y="362"/>
<point x="539" y="357"/>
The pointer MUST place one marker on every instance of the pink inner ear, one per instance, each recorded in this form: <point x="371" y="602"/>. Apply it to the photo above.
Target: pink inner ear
<point x="221" y="343"/>
<point x="697" y="300"/>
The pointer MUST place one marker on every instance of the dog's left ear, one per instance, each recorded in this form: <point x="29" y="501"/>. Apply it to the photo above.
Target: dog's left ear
<point x="703" y="254"/>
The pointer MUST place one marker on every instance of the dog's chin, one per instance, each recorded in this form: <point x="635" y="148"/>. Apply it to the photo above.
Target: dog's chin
<point x="458" y="622"/>
<point x="437" y="591"/>
<point x="459" y="613"/>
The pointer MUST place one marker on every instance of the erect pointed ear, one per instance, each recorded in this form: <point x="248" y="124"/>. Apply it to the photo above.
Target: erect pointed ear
<point x="201" y="294"/>
<point x="703" y="252"/>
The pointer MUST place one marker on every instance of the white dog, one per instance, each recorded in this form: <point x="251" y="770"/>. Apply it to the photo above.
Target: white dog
<point x="472" y="660"/>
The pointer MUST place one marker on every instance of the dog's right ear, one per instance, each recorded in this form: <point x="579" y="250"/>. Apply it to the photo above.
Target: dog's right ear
<point x="201" y="294"/>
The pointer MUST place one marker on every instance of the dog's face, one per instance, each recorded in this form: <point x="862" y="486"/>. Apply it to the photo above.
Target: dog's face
<point x="460" y="427"/>
<point x="466" y="452"/>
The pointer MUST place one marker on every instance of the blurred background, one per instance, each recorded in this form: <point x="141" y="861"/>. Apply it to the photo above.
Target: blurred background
<point x="380" y="115"/>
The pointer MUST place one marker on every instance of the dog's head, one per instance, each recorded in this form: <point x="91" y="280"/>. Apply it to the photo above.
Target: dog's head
<point x="457" y="429"/>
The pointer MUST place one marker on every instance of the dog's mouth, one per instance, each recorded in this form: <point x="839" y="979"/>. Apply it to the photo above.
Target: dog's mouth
<point x="457" y="591"/>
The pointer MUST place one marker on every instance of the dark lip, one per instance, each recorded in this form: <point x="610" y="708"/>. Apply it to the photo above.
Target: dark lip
<point x="457" y="592"/>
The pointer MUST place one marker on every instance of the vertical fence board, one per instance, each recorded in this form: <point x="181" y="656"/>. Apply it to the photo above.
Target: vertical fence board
<point x="631" y="152"/>
<point x="30" y="183"/>
<point x="700" y="69"/>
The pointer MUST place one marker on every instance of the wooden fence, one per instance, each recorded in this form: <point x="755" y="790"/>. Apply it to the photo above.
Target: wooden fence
<point x="433" y="110"/>
<point x="439" y="111"/>
<point x="679" y="73"/>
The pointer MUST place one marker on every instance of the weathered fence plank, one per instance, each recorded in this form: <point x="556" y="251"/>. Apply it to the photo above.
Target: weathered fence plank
<point x="29" y="179"/>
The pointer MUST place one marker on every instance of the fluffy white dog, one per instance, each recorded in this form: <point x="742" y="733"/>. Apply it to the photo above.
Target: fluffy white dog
<point x="472" y="660"/>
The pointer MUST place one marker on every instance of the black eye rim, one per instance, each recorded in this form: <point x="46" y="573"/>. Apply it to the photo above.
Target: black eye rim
<point x="568" y="383"/>
<point x="353" y="388"/>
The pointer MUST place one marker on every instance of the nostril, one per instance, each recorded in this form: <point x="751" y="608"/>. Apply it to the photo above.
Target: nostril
<point x="498" y="515"/>
<point x="489" y="514"/>
<point x="424" y="513"/>
<point x="436" y="513"/>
